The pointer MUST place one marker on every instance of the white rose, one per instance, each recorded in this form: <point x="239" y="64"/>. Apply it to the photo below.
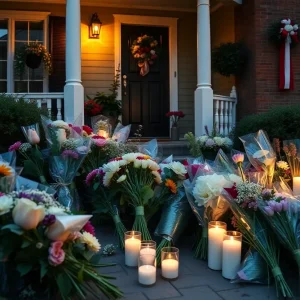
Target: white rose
<point x="27" y="214"/>
<point x="57" y="211"/>
<point x="177" y="168"/>
<point x="61" y="135"/>
<point x="6" y="204"/>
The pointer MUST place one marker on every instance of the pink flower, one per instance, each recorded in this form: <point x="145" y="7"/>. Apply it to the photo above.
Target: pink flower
<point x="99" y="142"/>
<point x="15" y="146"/>
<point x="269" y="211"/>
<point x="92" y="175"/>
<point x="88" y="227"/>
<point x="56" y="254"/>
<point x="74" y="236"/>
<point x="238" y="158"/>
<point x="278" y="207"/>
<point x="285" y="205"/>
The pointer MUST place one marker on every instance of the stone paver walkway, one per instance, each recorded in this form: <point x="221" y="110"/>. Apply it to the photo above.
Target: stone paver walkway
<point x="196" y="280"/>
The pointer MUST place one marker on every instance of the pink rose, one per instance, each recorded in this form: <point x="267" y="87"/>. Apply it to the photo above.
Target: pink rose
<point x="56" y="254"/>
<point x="100" y="142"/>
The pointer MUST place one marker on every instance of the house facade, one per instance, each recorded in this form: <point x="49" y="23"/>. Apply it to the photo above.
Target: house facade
<point x="181" y="79"/>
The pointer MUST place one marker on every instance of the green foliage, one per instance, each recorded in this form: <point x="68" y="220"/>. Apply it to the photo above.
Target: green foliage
<point x="194" y="146"/>
<point x="281" y="122"/>
<point x="229" y="59"/>
<point x="111" y="106"/>
<point x="14" y="114"/>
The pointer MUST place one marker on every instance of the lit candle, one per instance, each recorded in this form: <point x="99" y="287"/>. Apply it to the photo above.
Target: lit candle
<point x="103" y="133"/>
<point x="132" y="248"/>
<point x="148" y="249"/>
<point x="169" y="268"/>
<point x="216" y="231"/>
<point x="296" y="186"/>
<point x="147" y="274"/>
<point x="232" y="248"/>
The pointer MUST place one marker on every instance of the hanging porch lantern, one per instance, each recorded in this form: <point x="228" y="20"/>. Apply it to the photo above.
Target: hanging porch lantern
<point x="95" y="27"/>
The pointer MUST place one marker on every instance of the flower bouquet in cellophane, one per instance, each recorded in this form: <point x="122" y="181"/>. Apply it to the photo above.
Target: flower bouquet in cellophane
<point x="49" y="251"/>
<point x="135" y="175"/>
<point x="105" y="201"/>
<point x="244" y="199"/>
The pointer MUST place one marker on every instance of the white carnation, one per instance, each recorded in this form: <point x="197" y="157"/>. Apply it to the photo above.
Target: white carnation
<point x="6" y="204"/>
<point x="219" y="141"/>
<point x="202" y="139"/>
<point x="178" y="168"/>
<point x="113" y="166"/>
<point x="57" y="211"/>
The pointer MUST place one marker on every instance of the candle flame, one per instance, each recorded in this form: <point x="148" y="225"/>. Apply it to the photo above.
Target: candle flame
<point x="231" y="238"/>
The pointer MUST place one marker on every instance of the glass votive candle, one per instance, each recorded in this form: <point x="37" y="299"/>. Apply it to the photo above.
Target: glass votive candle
<point x="170" y="262"/>
<point x="132" y="248"/>
<point x="216" y="231"/>
<point x="296" y="186"/>
<point x="232" y="249"/>
<point x="148" y="247"/>
<point x="147" y="269"/>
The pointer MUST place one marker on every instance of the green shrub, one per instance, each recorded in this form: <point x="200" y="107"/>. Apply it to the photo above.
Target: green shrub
<point x="281" y="122"/>
<point x="13" y="115"/>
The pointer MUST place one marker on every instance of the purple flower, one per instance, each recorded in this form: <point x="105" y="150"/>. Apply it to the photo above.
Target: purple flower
<point x="92" y="175"/>
<point x="278" y="207"/>
<point x="49" y="220"/>
<point x="77" y="129"/>
<point x="269" y="211"/>
<point x="15" y="146"/>
<point x="285" y="205"/>
<point x="31" y="195"/>
<point x="70" y="153"/>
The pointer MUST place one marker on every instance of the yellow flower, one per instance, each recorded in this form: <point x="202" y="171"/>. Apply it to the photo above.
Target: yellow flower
<point x="6" y="170"/>
<point x="91" y="241"/>
<point x="171" y="185"/>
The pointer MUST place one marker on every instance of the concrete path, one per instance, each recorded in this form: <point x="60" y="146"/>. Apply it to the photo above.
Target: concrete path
<point x="195" y="280"/>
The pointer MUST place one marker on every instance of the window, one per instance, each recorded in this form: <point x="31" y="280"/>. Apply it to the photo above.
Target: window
<point x="32" y="80"/>
<point x="17" y="28"/>
<point x="3" y="55"/>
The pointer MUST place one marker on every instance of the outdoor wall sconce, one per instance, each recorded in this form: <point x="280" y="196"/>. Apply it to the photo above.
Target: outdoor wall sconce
<point x="95" y="27"/>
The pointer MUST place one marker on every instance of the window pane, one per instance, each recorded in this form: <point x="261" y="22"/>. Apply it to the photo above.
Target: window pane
<point x="36" y="74"/>
<point x="3" y="69"/>
<point x="3" y="50"/>
<point x="3" y="30"/>
<point x="21" y="87"/>
<point x="36" y="31"/>
<point x="21" y="30"/>
<point x="3" y="85"/>
<point x="36" y="86"/>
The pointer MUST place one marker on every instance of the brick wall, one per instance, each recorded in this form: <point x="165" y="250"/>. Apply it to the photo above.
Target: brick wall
<point x="258" y="86"/>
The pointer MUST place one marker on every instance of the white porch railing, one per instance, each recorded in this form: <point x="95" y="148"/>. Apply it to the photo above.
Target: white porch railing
<point x="225" y="112"/>
<point x="52" y="101"/>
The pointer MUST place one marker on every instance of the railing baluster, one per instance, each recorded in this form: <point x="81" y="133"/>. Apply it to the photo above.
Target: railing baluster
<point x="58" y="102"/>
<point x="226" y="117"/>
<point x="49" y="107"/>
<point x="39" y="103"/>
<point x="230" y="126"/>
<point x="217" y="121"/>
<point x="222" y="117"/>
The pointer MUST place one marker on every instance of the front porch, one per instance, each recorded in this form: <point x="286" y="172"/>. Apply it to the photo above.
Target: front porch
<point x="90" y="64"/>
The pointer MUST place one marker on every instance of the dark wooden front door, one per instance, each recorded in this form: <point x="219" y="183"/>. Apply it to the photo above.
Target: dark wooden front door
<point x="145" y="99"/>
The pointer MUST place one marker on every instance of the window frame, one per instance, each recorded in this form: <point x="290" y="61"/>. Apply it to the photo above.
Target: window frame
<point x="11" y="16"/>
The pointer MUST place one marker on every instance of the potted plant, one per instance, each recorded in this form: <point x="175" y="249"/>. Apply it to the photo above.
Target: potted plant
<point x="32" y="55"/>
<point x="229" y="59"/>
<point x="175" y="116"/>
<point x="91" y="109"/>
<point x="111" y="107"/>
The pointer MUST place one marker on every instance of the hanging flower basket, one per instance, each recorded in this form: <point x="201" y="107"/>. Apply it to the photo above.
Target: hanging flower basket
<point x="33" y="61"/>
<point x="32" y="55"/>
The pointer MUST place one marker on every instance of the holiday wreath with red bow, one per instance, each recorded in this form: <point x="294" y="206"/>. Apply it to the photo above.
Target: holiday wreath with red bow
<point x="285" y="34"/>
<point x="144" y="49"/>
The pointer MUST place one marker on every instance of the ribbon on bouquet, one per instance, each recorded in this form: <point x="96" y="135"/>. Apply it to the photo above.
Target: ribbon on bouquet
<point x="145" y="68"/>
<point x="289" y="34"/>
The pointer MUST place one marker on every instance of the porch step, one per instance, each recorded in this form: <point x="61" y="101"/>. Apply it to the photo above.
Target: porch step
<point x="179" y="149"/>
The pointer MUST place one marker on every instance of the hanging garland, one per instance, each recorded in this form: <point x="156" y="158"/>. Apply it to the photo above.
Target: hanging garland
<point x="285" y="34"/>
<point x="144" y="49"/>
<point x="32" y="55"/>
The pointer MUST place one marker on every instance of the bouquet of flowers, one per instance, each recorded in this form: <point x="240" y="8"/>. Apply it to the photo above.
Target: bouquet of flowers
<point x="207" y="203"/>
<point x="291" y="149"/>
<point x="260" y="153"/>
<point x="46" y="245"/>
<point x="7" y="172"/>
<point x="34" y="161"/>
<point x="283" y="214"/>
<point x="244" y="199"/>
<point x="175" y="116"/>
<point x="121" y="133"/>
<point x="135" y="176"/>
<point x="92" y="108"/>
<point x="209" y="142"/>
<point x="104" y="201"/>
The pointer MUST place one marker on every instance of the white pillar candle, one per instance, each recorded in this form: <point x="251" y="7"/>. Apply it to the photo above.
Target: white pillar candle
<point x="147" y="275"/>
<point x="296" y="186"/>
<point x="103" y="133"/>
<point x="132" y="251"/>
<point x="231" y="257"/>
<point x="215" y="245"/>
<point x="169" y="268"/>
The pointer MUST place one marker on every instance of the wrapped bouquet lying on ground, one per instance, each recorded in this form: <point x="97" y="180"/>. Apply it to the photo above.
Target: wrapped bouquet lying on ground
<point x="43" y="244"/>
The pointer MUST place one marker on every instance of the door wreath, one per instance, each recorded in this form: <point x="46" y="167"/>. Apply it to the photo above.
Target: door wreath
<point x="144" y="49"/>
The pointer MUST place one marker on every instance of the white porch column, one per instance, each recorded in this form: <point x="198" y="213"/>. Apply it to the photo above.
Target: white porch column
<point x="204" y="92"/>
<point x="73" y="91"/>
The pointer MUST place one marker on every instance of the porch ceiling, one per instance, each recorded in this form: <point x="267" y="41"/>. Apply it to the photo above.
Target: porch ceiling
<point x="177" y="5"/>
